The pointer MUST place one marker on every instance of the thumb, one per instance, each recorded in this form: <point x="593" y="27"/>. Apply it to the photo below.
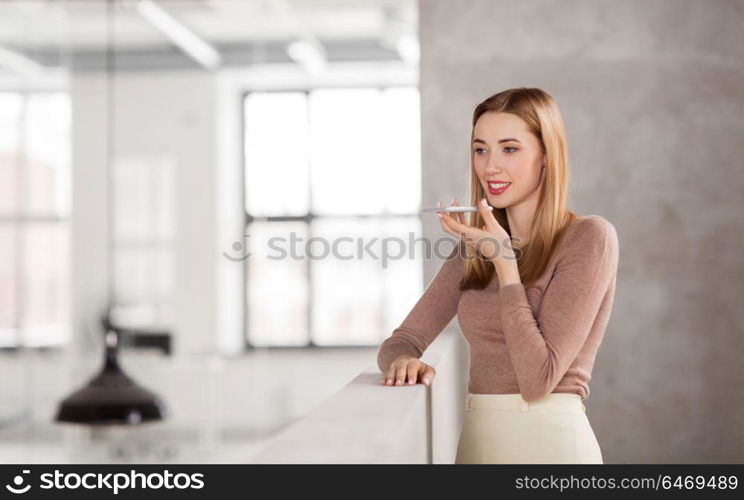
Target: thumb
<point x="486" y="212"/>
<point x="428" y="375"/>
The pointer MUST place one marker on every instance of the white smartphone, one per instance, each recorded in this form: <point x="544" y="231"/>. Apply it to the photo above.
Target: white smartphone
<point x="453" y="209"/>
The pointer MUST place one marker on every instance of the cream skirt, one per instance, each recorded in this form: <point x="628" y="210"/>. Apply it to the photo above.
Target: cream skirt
<point x="506" y="429"/>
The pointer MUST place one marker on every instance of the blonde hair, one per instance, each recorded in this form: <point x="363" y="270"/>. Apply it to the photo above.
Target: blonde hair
<point x="538" y="109"/>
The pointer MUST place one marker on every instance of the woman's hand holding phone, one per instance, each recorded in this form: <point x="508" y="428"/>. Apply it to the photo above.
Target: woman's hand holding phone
<point x="488" y="240"/>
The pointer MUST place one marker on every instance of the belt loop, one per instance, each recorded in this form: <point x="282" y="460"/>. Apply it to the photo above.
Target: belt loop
<point x="524" y="406"/>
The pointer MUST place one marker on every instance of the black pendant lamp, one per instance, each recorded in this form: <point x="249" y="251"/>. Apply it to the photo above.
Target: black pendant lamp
<point x="111" y="397"/>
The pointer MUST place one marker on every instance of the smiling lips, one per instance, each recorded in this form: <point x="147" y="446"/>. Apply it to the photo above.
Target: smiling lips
<point x="498" y="187"/>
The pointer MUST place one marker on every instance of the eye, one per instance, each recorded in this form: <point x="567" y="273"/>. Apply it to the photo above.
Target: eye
<point x="478" y="149"/>
<point x="511" y="147"/>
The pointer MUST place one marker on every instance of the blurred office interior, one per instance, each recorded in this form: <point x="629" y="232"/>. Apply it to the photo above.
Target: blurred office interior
<point x="146" y="148"/>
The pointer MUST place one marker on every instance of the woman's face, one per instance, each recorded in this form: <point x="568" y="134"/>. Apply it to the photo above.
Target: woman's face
<point x="504" y="150"/>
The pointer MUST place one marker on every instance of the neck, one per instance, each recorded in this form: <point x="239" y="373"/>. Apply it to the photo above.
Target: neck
<point x="520" y="218"/>
<point x="520" y="215"/>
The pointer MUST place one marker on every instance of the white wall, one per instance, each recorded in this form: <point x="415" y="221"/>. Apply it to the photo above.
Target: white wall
<point x="157" y="115"/>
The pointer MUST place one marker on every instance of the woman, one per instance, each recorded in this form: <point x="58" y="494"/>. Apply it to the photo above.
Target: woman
<point x="532" y="284"/>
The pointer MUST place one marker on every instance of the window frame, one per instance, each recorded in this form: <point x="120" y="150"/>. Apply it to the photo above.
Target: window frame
<point x="306" y="218"/>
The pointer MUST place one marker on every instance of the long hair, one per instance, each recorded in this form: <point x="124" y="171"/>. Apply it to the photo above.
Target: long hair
<point x="538" y="109"/>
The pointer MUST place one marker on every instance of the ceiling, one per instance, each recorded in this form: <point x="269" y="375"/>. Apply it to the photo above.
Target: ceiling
<point x="243" y="31"/>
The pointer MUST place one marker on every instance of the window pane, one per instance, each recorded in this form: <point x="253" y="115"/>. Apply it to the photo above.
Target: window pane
<point x="145" y="201"/>
<point x="10" y="113"/>
<point x="276" y="156"/>
<point x="131" y="275"/>
<point x="145" y="229"/>
<point x="402" y="154"/>
<point x="365" y="151"/>
<point x="47" y="153"/>
<point x="347" y="151"/>
<point x="8" y="286"/>
<point x="277" y="288"/>
<point x="46" y="284"/>
<point x="362" y="307"/>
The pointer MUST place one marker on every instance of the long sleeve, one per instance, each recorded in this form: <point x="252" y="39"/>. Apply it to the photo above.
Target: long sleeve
<point x="433" y="311"/>
<point x="542" y="350"/>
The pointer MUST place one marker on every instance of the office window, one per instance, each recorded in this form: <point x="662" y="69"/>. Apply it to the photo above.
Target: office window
<point x="330" y="166"/>
<point x="144" y="254"/>
<point x="34" y="218"/>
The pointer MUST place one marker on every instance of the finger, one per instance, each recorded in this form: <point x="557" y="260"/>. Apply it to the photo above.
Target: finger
<point x="450" y="216"/>
<point x="447" y="222"/>
<point x="460" y="216"/>
<point x="487" y="214"/>
<point x="462" y="230"/>
<point x="412" y="373"/>
<point x="441" y="216"/>
<point x="428" y="374"/>
<point x="401" y="374"/>
<point x="456" y="229"/>
<point x="390" y="376"/>
<point x="452" y="223"/>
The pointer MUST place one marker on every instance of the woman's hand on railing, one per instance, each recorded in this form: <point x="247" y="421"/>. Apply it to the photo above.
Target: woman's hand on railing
<point x="407" y="369"/>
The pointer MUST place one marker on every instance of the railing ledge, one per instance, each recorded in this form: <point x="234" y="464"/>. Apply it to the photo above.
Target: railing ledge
<point x="367" y="422"/>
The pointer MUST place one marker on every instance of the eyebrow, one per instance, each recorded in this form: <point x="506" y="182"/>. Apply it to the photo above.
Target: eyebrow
<point x="499" y="141"/>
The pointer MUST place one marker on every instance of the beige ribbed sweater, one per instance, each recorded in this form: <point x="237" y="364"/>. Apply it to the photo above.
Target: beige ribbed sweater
<point x="536" y="341"/>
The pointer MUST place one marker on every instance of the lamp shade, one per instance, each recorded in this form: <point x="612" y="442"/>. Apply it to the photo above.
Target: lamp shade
<point x="111" y="397"/>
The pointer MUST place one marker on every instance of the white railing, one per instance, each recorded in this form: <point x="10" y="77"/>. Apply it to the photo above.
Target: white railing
<point x="367" y="422"/>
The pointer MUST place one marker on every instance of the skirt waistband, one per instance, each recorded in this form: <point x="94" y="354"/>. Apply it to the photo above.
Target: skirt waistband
<point x="517" y="402"/>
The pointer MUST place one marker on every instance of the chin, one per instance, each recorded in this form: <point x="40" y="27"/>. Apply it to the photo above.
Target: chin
<point x="496" y="201"/>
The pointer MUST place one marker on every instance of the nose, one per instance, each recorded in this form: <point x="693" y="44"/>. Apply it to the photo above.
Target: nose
<point x="492" y="164"/>
<point x="493" y="169"/>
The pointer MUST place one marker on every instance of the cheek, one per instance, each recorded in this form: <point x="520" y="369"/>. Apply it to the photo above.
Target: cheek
<point x="535" y="175"/>
<point x="480" y="166"/>
<point x="525" y="176"/>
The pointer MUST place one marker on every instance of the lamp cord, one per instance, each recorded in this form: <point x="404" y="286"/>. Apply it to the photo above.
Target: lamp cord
<point x="110" y="148"/>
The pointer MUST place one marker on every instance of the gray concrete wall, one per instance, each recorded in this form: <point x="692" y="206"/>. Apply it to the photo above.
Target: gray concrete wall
<point x="653" y="98"/>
